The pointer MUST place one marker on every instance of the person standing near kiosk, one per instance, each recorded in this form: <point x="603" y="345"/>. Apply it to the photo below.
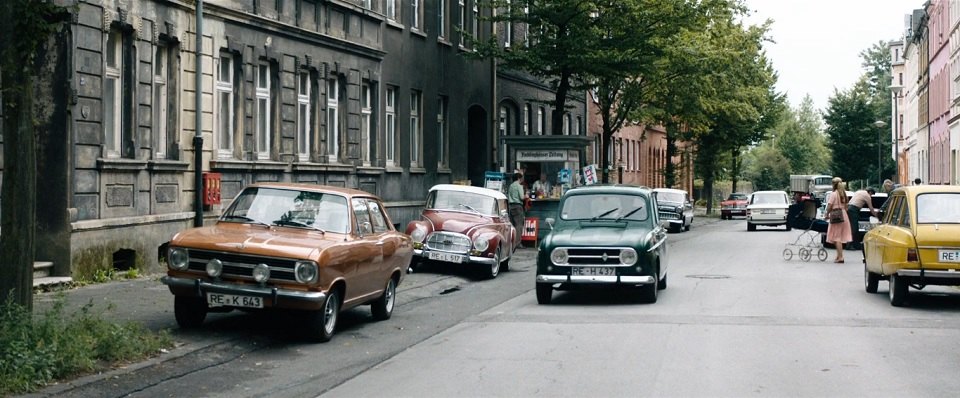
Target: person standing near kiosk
<point x="516" y="195"/>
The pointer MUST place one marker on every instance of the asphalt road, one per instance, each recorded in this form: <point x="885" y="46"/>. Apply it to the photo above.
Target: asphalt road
<point x="736" y="320"/>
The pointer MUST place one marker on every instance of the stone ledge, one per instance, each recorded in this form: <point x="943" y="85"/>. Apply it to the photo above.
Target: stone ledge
<point x="87" y="225"/>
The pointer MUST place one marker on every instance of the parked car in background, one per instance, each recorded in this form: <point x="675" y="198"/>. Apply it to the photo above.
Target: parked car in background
<point x="465" y="225"/>
<point x="734" y="205"/>
<point x="917" y="242"/>
<point x="767" y="208"/>
<point x="310" y="248"/>
<point x="605" y="236"/>
<point x="675" y="208"/>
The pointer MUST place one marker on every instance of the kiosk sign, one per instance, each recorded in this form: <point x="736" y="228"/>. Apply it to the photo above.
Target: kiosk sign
<point x="542" y="155"/>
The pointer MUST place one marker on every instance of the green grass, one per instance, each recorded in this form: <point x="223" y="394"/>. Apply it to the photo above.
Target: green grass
<point x="39" y="349"/>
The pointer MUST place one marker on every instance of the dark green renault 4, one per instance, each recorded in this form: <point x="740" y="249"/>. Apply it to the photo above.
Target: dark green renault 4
<point x="604" y="236"/>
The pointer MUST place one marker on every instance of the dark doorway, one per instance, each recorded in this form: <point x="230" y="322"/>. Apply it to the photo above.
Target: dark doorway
<point x="478" y="149"/>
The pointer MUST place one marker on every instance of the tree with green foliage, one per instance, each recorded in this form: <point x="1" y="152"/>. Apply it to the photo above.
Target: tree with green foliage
<point x="611" y="47"/>
<point x="800" y="138"/>
<point x="741" y="103"/>
<point x="26" y="30"/>
<point x="767" y="168"/>
<point x="853" y="136"/>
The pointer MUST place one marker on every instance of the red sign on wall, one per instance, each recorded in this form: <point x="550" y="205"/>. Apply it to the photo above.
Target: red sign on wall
<point x="531" y="227"/>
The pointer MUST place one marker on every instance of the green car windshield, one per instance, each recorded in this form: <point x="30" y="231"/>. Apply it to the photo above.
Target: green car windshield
<point x="605" y="207"/>
<point x="938" y="208"/>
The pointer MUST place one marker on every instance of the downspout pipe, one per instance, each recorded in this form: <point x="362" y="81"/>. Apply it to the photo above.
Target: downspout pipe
<point x="198" y="123"/>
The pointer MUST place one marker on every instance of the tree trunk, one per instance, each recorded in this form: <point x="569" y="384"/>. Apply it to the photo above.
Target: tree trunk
<point x="734" y="169"/>
<point x="670" y="170"/>
<point x="19" y="191"/>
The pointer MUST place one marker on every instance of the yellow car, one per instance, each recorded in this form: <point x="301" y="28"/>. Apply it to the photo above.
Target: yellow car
<point x="917" y="242"/>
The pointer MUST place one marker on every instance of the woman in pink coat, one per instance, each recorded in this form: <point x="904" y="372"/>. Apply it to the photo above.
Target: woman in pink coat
<point x="838" y="233"/>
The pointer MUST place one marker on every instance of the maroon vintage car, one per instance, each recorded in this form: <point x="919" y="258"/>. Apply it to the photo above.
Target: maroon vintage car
<point x="464" y="225"/>
<point x="735" y="205"/>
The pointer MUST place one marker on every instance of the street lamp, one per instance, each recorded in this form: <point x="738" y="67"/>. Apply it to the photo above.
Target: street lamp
<point x="880" y="125"/>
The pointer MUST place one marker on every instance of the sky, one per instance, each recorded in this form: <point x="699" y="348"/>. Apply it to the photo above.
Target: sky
<point x="818" y="42"/>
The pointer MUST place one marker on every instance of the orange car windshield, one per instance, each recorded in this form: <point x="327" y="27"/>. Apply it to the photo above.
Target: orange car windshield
<point x="938" y="208"/>
<point x="289" y="207"/>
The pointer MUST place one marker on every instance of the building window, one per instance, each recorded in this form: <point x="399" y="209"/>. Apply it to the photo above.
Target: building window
<point x="541" y="120"/>
<point x="476" y="20"/>
<point x="366" y="123"/>
<point x="415" y="7"/>
<point x="442" y="19"/>
<point x="368" y="4"/>
<point x="463" y="21"/>
<point x="262" y="110"/>
<point x="390" y="129"/>
<point x="225" y="109"/>
<point x="566" y="124"/>
<point x="577" y="127"/>
<point x="392" y="10"/>
<point x="508" y="26"/>
<point x="304" y="121"/>
<point x="442" y="133"/>
<point x="526" y="119"/>
<point x="526" y="31"/>
<point x="161" y="102"/>
<point x="416" y="130"/>
<point x="333" y="119"/>
<point x="113" y="93"/>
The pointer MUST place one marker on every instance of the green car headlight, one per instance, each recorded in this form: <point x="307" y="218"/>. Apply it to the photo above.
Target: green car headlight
<point x="628" y="257"/>
<point x="559" y="256"/>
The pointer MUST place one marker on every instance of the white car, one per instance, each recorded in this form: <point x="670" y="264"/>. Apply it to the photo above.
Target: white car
<point x="767" y="208"/>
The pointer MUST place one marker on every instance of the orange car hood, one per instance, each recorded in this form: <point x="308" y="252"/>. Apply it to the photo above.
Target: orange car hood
<point x="257" y="239"/>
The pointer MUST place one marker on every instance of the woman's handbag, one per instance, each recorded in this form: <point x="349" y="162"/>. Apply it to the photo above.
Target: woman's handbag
<point x="836" y="215"/>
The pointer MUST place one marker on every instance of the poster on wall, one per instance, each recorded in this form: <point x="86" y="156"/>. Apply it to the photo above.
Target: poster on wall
<point x="590" y="174"/>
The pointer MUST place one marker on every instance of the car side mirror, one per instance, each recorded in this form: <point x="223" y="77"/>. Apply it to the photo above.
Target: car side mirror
<point x="550" y="221"/>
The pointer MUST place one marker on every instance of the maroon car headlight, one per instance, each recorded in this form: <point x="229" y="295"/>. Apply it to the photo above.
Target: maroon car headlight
<point x="481" y="243"/>
<point x="419" y="234"/>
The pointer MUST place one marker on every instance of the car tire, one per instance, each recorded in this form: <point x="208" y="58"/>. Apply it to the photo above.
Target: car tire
<point x="322" y="324"/>
<point x="687" y="227"/>
<point x="663" y="282"/>
<point x="382" y="309"/>
<point x="189" y="311"/>
<point x="789" y="228"/>
<point x="648" y="293"/>
<point x="544" y="293"/>
<point x="870" y="280"/>
<point x="751" y="227"/>
<point x="898" y="290"/>
<point x="494" y="269"/>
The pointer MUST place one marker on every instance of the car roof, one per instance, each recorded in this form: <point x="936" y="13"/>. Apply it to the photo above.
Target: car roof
<point x="469" y="188"/>
<point x="669" y="190"/>
<point x="610" y="188"/>
<point x="349" y="192"/>
<point x="768" y="192"/>
<point x="919" y="189"/>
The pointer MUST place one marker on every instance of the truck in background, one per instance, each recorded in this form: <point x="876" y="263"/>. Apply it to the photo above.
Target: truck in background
<point x="810" y="186"/>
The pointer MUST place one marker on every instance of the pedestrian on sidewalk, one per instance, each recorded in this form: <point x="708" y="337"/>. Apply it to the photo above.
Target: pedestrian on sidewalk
<point x="516" y="195"/>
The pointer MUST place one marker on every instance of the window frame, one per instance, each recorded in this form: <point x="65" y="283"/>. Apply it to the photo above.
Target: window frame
<point x="333" y="119"/>
<point x="508" y="25"/>
<point x="442" y="19"/>
<point x="161" y="73"/>
<point x="463" y="21"/>
<point x="262" y="114"/>
<point x="443" y="134"/>
<point x="304" y="119"/>
<point x="366" y="123"/>
<point x="390" y="126"/>
<point x="113" y="112"/>
<point x="416" y="128"/>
